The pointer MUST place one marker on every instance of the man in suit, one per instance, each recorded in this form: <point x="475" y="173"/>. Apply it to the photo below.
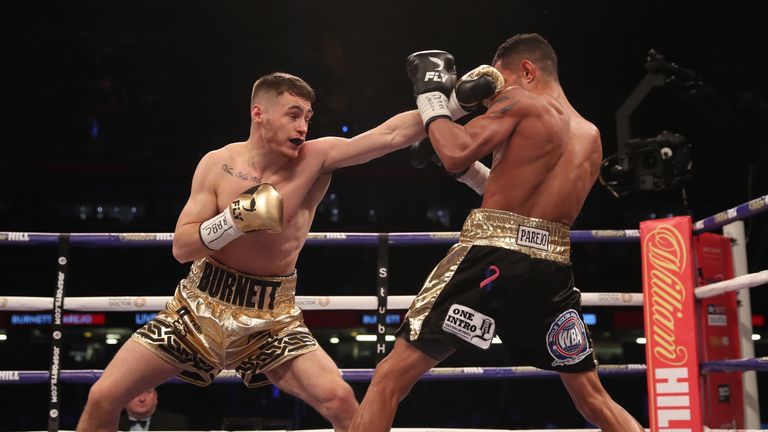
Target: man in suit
<point x="141" y="414"/>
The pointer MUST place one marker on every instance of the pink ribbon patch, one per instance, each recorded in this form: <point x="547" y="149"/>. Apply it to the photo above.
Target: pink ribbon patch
<point x="490" y="278"/>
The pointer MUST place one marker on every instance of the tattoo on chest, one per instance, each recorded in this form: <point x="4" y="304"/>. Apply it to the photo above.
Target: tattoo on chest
<point x="240" y="175"/>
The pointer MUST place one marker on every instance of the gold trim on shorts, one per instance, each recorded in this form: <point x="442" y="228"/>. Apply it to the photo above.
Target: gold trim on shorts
<point x="220" y="318"/>
<point x="538" y="238"/>
<point x="433" y="286"/>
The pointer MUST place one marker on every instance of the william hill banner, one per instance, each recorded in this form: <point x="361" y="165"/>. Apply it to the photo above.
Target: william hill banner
<point x="670" y="330"/>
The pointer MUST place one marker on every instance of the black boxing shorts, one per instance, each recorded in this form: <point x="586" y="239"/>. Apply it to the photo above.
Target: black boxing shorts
<point x="510" y="276"/>
<point x="220" y="319"/>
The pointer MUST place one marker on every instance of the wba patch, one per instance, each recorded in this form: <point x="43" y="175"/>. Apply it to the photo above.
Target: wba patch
<point x="567" y="339"/>
<point x="470" y="325"/>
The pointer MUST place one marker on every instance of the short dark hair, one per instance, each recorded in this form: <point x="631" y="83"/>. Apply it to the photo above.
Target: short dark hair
<point x="281" y="82"/>
<point x="531" y="46"/>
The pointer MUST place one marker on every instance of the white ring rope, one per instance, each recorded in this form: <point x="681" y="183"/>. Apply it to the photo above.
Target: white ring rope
<point x="706" y="429"/>
<point x="437" y="430"/>
<point x="155" y="303"/>
<point x="737" y="283"/>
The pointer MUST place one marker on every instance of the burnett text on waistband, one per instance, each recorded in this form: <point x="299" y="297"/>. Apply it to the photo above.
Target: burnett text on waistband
<point x="237" y="289"/>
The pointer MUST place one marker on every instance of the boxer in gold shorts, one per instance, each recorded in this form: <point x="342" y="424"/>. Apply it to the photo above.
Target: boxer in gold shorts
<point x="263" y="326"/>
<point x="249" y="212"/>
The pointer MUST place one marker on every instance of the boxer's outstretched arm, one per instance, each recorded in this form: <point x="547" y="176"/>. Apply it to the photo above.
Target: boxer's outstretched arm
<point x="396" y="133"/>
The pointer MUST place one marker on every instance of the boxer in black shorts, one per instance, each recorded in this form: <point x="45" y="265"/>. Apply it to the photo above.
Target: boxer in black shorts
<point x="510" y="272"/>
<point x="509" y="275"/>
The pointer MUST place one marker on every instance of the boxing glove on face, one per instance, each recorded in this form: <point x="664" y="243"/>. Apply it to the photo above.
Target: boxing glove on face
<point x="477" y="85"/>
<point x="433" y="76"/>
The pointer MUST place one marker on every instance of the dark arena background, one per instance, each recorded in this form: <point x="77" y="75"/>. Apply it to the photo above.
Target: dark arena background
<point x="109" y="106"/>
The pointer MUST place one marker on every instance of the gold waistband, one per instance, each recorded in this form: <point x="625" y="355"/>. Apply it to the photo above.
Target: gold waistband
<point x="241" y="289"/>
<point x="538" y="238"/>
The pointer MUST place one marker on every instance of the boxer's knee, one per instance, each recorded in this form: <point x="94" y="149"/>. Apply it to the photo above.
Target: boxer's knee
<point x="595" y="407"/>
<point x="103" y="400"/>
<point x="338" y="404"/>
<point x="389" y="380"/>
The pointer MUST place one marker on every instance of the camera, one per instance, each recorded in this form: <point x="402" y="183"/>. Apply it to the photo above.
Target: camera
<point x="652" y="164"/>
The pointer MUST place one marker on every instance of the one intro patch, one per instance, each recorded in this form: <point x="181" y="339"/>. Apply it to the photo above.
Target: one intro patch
<point x="470" y="325"/>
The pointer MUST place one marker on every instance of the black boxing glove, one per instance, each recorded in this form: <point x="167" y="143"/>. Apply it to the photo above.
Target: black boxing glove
<point x="475" y="176"/>
<point x="422" y="153"/>
<point x="477" y="85"/>
<point x="433" y="75"/>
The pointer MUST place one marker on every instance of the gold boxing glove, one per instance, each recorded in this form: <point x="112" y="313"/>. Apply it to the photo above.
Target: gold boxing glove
<point x="258" y="208"/>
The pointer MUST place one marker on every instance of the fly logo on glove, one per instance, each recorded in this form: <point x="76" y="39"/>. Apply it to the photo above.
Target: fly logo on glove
<point x="436" y="76"/>
<point x="438" y="62"/>
<point x="258" y="208"/>
<point x="433" y="75"/>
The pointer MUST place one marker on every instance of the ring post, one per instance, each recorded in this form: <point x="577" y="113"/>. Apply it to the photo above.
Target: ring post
<point x="382" y="275"/>
<point x="668" y="308"/>
<point x="735" y="231"/>
<point x="722" y="395"/>
<point x="54" y="400"/>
